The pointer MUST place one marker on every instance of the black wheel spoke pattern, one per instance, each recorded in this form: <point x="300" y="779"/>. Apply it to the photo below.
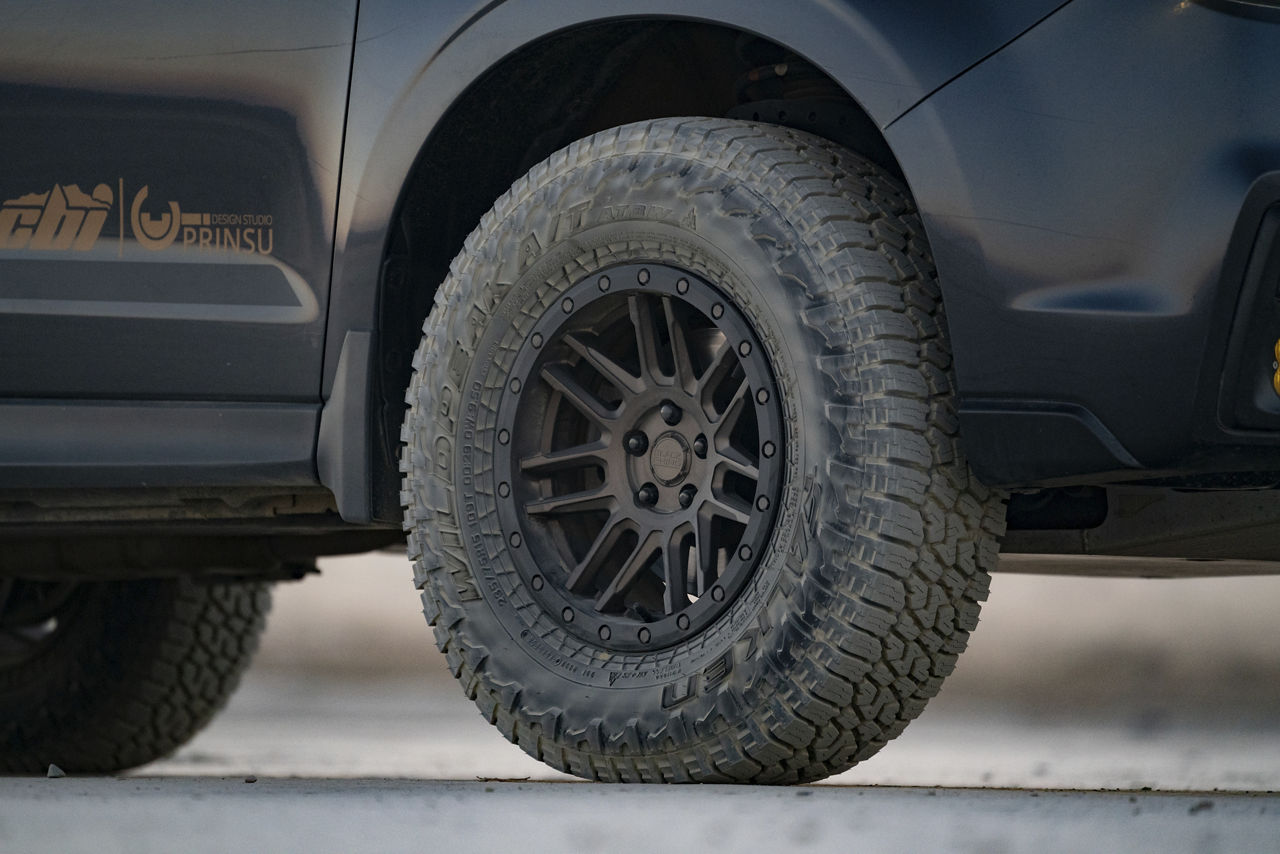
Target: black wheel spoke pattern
<point x="639" y="495"/>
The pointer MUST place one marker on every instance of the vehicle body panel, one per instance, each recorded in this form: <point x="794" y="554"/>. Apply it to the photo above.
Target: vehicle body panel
<point x="1081" y="169"/>
<point x="169" y="191"/>
<point x="413" y="62"/>
<point x="1080" y="230"/>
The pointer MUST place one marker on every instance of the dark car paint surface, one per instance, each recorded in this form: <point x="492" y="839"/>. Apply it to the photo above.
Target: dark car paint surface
<point x="212" y="134"/>
<point x="1080" y="230"/>
<point x="199" y="204"/>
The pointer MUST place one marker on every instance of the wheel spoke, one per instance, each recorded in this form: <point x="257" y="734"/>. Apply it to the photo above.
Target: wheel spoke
<point x="729" y="507"/>
<point x="584" y="401"/>
<point x="646" y="338"/>
<point x="579" y="456"/>
<point x="675" y="571"/>
<point x="706" y="559"/>
<point x="584" y="573"/>
<point x="733" y="460"/>
<point x="630" y="570"/>
<point x="573" y="502"/>
<point x="722" y="362"/>
<point x="727" y="419"/>
<point x="680" y="356"/>
<point x="723" y="366"/>
<point x="618" y="376"/>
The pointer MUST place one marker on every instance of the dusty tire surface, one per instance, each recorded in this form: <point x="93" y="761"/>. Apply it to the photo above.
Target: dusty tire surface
<point x="117" y="674"/>
<point x="876" y="550"/>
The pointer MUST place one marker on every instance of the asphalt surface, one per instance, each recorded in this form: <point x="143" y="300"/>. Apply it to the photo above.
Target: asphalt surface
<point x="1087" y="715"/>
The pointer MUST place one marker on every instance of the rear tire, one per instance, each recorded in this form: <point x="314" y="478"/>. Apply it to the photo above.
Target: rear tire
<point x="571" y="587"/>
<point x="99" y="677"/>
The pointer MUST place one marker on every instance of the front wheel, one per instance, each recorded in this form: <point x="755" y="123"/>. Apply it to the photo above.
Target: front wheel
<point x="682" y="476"/>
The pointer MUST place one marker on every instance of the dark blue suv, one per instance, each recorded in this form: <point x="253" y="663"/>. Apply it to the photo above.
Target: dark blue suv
<point x="740" y="340"/>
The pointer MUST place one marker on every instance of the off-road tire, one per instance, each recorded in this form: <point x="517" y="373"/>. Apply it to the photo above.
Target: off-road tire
<point x="128" y="673"/>
<point x="879" y="552"/>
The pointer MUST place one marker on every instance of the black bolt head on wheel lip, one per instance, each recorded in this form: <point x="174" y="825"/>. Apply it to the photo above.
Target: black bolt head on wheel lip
<point x="637" y="545"/>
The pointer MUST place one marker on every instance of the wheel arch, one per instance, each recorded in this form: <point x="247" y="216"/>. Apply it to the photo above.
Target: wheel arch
<point x="421" y="167"/>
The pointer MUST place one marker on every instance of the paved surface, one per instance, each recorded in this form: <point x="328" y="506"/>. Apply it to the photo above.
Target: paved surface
<point x="351" y="729"/>
<point x="1068" y="683"/>
<point x="196" y="816"/>
<point x="291" y="725"/>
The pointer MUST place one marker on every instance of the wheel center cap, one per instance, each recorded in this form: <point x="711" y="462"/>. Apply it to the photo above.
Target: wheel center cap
<point x="669" y="458"/>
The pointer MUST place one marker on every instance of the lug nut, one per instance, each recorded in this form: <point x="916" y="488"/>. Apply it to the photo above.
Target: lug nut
<point x="670" y="413"/>
<point x="637" y="443"/>
<point x="647" y="495"/>
<point x="700" y="447"/>
<point x="687" y="494"/>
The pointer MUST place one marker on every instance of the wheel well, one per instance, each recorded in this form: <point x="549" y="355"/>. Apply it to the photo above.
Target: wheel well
<point x="539" y="99"/>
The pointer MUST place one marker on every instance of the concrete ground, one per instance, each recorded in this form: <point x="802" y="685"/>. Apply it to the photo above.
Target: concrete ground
<point x="197" y="815"/>
<point x="1068" y="683"/>
<point x="1087" y="715"/>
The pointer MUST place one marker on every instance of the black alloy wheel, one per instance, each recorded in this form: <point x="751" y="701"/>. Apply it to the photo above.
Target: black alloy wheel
<point x="645" y="460"/>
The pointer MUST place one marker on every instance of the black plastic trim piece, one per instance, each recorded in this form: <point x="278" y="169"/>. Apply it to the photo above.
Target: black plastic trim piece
<point x="1038" y="442"/>
<point x="1240" y="381"/>
<point x="81" y="444"/>
<point x="342" y="452"/>
<point x="1248" y="399"/>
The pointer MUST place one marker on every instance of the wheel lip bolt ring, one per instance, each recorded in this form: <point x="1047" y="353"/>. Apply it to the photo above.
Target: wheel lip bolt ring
<point x="636" y="443"/>
<point x="670" y="413"/>
<point x="687" y="495"/>
<point x="647" y="495"/>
